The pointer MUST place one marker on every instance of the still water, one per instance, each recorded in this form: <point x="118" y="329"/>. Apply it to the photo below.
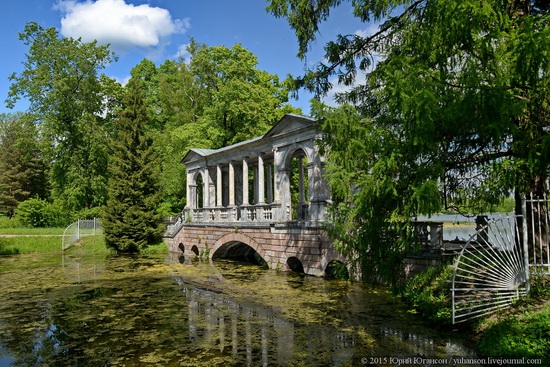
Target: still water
<point x="150" y="311"/>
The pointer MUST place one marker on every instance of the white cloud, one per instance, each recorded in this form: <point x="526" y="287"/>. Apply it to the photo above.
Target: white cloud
<point x="123" y="80"/>
<point x="371" y="29"/>
<point x="182" y="53"/>
<point x="337" y="88"/>
<point x="123" y="26"/>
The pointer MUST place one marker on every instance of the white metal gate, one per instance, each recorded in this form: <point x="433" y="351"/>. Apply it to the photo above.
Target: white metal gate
<point x="79" y="229"/>
<point x="494" y="266"/>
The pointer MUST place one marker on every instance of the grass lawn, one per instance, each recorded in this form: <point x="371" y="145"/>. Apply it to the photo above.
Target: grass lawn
<point x="20" y="231"/>
<point x="29" y="245"/>
<point x="49" y="244"/>
<point x="48" y="240"/>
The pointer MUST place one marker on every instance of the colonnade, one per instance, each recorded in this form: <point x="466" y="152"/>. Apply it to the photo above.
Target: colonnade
<point x="251" y="181"/>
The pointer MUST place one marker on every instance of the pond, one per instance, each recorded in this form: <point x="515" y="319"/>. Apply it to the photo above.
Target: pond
<point x="155" y="311"/>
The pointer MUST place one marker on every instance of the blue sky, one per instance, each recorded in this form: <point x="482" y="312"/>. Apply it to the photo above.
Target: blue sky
<point x="160" y="29"/>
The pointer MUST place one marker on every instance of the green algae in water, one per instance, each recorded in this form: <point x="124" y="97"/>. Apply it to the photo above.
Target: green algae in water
<point x="136" y="311"/>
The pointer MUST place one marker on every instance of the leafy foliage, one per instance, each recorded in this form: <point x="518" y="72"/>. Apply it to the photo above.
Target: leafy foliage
<point x="429" y="294"/>
<point x="60" y="79"/>
<point x="452" y="108"/>
<point x="131" y="222"/>
<point x="512" y="336"/>
<point x="37" y="212"/>
<point x="22" y="165"/>
<point x="217" y="97"/>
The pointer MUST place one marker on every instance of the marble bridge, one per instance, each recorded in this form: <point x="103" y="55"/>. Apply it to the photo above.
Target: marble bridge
<point x="263" y="199"/>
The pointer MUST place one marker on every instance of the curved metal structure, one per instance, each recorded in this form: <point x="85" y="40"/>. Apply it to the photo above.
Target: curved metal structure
<point x="81" y="228"/>
<point x="490" y="272"/>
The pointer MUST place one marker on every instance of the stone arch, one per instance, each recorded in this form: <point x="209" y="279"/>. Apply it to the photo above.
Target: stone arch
<point x="181" y="247"/>
<point x="336" y="269"/>
<point x="198" y="182"/>
<point x="239" y="238"/>
<point x="295" y="264"/>
<point x="195" y="250"/>
<point x="291" y="151"/>
<point x="297" y="198"/>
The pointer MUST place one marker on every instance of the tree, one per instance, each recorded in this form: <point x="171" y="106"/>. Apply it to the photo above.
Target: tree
<point x="23" y="171"/>
<point x="60" y="80"/>
<point x="453" y="109"/>
<point x="240" y="101"/>
<point x="131" y="221"/>
<point x="217" y="97"/>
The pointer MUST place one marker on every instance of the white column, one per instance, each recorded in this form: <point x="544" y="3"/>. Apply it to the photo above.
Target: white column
<point x="301" y="179"/>
<point x="231" y="184"/>
<point x="269" y="183"/>
<point x="188" y="190"/>
<point x="261" y="191"/>
<point x="206" y="188"/>
<point x="277" y="162"/>
<point x="193" y="196"/>
<point x="219" y="185"/>
<point x="245" y="182"/>
<point x="255" y="184"/>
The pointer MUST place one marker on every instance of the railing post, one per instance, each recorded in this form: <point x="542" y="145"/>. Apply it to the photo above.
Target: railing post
<point x="525" y="242"/>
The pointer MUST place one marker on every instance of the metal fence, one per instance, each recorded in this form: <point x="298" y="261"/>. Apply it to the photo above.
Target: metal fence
<point x="81" y="228"/>
<point x="536" y="227"/>
<point x="494" y="266"/>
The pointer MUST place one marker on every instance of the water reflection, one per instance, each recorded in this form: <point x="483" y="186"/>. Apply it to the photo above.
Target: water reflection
<point x="135" y="311"/>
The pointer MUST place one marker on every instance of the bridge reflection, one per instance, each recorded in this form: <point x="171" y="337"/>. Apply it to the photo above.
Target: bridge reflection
<point x="254" y="334"/>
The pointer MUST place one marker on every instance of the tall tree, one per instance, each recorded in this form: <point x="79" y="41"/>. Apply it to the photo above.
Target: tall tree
<point x="457" y="99"/>
<point x="240" y="100"/>
<point x="131" y="221"/>
<point x="61" y="81"/>
<point x="215" y="98"/>
<point x="23" y="170"/>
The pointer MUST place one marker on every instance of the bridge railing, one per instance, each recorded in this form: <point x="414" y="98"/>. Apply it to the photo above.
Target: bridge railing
<point x="244" y="213"/>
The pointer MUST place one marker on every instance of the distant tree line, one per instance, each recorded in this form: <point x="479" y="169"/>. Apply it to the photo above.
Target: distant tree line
<point x="64" y="153"/>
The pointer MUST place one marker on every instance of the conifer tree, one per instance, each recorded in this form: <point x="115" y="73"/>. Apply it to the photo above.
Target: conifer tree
<point x="22" y="166"/>
<point x="131" y="221"/>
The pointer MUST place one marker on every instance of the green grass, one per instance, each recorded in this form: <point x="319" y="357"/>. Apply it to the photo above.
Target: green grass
<point x="158" y="249"/>
<point x="20" y="231"/>
<point x="29" y="245"/>
<point x="90" y="244"/>
<point x="513" y="336"/>
<point x="50" y="244"/>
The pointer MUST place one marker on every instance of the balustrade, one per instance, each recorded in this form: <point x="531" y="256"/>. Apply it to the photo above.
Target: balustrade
<point x="245" y="213"/>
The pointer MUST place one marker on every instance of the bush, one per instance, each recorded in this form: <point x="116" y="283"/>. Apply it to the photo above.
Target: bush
<point x="4" y="248"/>
<point x="429" y="294"/>
<point x="6" y="222"/>
<point x="89" y="213"/>
<point x="40" y="213"/>
<point x="514" y="337"/>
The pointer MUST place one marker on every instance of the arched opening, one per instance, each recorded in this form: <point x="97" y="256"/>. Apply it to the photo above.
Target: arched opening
<point x="336" y="269"/>
<point x="181" y="247"/>
<point x="295" y="264"/>
<point x="299" y="193"/>
<point x="195" y="250"/>
<point x="238" y="251"/>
